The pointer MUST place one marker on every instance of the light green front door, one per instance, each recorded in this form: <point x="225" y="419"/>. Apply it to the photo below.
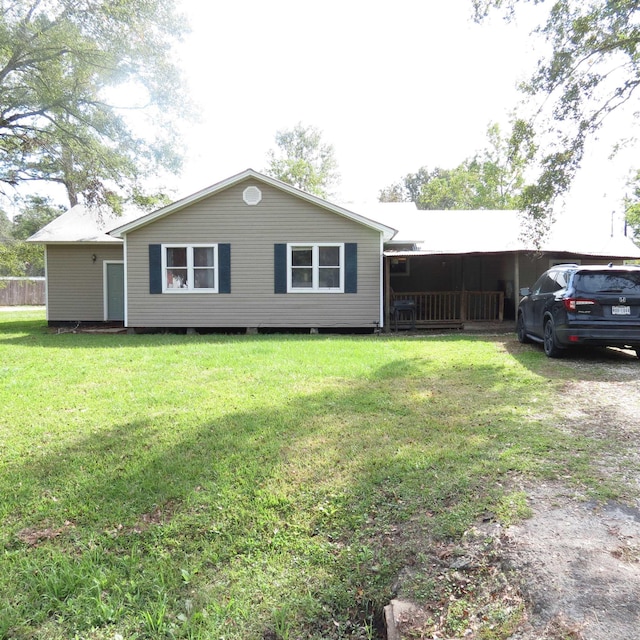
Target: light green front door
<point x="115" y="291"/>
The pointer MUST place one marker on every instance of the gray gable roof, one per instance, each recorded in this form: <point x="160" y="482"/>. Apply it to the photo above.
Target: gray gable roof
<point x="80" y="224"/>
<point x="428" y="232"/>
<point x="387" y="231"/>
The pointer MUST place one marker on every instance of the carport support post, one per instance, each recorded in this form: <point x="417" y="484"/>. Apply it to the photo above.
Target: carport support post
<point x="463" y="294"/>
<point x="516" y="280"/>
<point x="387" y="294"/>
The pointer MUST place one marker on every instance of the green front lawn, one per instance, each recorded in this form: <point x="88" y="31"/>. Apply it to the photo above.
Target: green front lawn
<point x="173" y="486"/>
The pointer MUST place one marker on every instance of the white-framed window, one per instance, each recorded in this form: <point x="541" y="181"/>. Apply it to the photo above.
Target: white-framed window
<point x="399" y="266"/>
<point x="190" y="268"/>
<point x="316" y="267"/>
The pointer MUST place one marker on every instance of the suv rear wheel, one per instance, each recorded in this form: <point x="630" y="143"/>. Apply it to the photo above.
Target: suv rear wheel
<point x="521" y="331"/>
<point x="551" y="348"/>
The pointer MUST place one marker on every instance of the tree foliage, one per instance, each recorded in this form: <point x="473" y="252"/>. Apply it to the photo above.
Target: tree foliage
<point x="492" y="179"/>
<point x="594" y="69"/>
<point x="303" y="160"/>
<point x="17" y="257"/>
<point x="6" y="227"/>
<point x="36" y="212"/>
<point x="632" y="207"/>
<point x="69" y="72"/>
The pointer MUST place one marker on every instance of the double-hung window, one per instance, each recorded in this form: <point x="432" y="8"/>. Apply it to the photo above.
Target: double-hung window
<point x="315" y="268"/>
<point x="190" y="268"/>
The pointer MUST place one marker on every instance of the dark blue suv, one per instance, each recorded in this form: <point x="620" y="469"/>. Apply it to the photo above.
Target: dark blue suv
<point x="574" y="305"/>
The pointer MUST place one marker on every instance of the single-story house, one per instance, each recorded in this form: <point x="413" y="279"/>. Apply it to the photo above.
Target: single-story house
<point x="249" y="251"/>
<point x="253" y="252"/>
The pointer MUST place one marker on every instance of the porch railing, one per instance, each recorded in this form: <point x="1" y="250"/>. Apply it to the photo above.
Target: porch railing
<point x="454" y="306"/>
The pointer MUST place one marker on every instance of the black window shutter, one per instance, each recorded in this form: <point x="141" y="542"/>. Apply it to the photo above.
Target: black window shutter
<point x="280" y="268"/>
<point x="224" y="265"/>
<point x="350" y="267"/>
<point x="155" y="268"/>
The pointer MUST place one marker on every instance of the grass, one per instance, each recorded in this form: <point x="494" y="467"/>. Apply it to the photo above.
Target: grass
<point x="165" y="486"/>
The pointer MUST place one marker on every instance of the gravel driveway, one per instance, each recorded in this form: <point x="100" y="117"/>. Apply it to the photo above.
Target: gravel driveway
<point x="575" y="564"/>
<point x="579" y="561"/>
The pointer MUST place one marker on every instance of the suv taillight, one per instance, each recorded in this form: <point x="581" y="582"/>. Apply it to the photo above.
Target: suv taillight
<point x="578" y="305"/>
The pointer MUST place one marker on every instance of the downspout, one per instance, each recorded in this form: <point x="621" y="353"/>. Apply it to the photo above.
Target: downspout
<point x="46" y="281"/>
<point x="386" y="293"/>
<point x="126" y="282"/>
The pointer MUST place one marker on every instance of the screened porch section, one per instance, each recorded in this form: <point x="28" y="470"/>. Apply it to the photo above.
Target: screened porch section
<point x="433" y="291"/>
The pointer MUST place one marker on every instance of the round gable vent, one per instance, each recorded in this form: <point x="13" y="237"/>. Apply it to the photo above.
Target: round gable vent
<point x="252" y="195"/>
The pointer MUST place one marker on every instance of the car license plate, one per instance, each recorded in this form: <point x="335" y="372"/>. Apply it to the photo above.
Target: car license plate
<point x="620" y="310"/>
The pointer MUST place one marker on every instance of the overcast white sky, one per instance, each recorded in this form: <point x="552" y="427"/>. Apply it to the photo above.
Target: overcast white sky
<point x="392" y="85"/>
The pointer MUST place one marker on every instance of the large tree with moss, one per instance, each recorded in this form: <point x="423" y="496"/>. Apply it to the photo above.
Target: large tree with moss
<point x="70" y="72"/>
<point x="592" y="70"/>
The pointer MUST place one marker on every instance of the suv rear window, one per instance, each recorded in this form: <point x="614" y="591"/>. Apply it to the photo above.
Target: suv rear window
<point x="608" y="282"/>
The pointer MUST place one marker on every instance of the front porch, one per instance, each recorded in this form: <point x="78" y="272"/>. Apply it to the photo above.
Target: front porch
<point x="443" y="309"/>
<point x="447" y="268"/>
<point x="437" y="291"/>
<point x="447" y="291"/>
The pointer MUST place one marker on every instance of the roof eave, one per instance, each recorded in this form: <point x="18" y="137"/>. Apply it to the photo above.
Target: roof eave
<point x="106" y="241"/>
<point x="452" y="252"/>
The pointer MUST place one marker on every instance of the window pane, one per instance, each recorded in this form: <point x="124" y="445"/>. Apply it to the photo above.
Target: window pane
<point x="329" y="256"/>
<point x="549" y="285"/>
<point x="176" y="279"/>
<point x="329" y="278"/>
<point x="302" y="278"/>
<point x="203" y="278"/>
<point x="628" y="283"/>
<point x="399" y="266"/>
<point x="177" y="257"/>
<point x="203" y="256"/>
<point x="301" y="257"/>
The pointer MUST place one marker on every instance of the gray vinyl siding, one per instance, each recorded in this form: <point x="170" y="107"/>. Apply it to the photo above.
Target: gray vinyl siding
<point x="75" y="282"/>
<point x="252" y="232"/>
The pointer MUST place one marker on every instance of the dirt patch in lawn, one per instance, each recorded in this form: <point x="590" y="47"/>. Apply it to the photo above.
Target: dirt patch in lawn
<point x="577" y="565"/>
<point x="571" y="570"/>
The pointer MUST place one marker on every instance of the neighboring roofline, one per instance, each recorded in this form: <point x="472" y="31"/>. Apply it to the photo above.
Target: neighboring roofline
<point x="119" y="232"/>
<point x="391" y="243"/>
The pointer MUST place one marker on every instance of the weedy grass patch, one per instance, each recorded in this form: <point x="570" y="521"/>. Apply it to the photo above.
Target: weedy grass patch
<point x="185" y="486"/>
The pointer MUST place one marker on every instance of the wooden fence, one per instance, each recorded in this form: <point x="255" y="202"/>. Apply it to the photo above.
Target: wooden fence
<point x="443" y="307"/>
<point x="22" y="291"/>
